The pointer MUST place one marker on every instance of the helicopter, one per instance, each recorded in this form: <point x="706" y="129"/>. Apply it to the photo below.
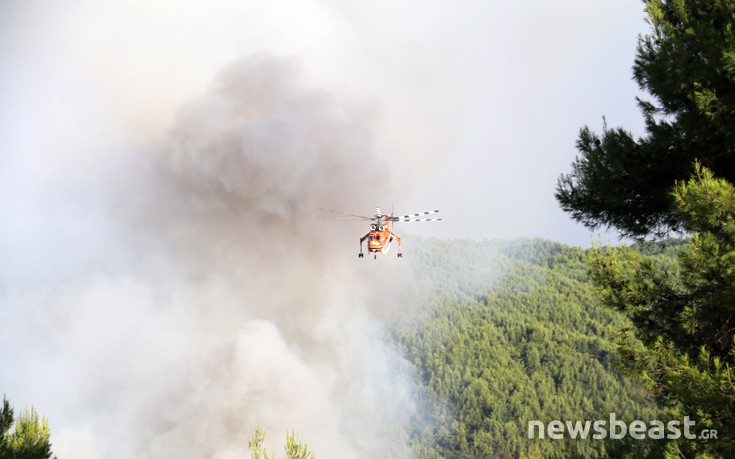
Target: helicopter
<point x="381" y="236"/>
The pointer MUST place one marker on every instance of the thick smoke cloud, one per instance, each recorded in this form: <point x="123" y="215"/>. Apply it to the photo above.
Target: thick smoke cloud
<point x="218" y="301"/>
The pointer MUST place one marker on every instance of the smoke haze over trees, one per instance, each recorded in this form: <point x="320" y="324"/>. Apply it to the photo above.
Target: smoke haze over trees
<point x="208" y="299"/>
<point x="161" y="263"/>
<point x="512" y="333"/>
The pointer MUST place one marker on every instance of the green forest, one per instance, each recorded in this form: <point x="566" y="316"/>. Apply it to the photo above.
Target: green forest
<point x="502" y="333"/>
<point x="512" y="332"/>
<point x="498" y="333"/>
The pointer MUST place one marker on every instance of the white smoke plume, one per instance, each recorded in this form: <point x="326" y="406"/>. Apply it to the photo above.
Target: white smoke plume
<point x="198" y="295"/>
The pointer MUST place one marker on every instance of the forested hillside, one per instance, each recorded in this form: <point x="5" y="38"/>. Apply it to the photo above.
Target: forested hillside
<point x="511" y="332"/>
<point x="678" y="176"/>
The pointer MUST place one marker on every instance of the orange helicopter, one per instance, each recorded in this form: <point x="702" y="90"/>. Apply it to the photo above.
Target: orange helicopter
<point x="381" y="235"/>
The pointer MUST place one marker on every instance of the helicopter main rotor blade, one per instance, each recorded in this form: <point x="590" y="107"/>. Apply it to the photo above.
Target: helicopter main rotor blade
<point x="343" y="218"/>
<point x="356" y="217"/>
<point x="428" y="212"/>
<point x="419" y="220"/>
<point x="412" y="217"/>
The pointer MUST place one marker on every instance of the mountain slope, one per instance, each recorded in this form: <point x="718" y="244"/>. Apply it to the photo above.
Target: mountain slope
<point x="511" y="332"/>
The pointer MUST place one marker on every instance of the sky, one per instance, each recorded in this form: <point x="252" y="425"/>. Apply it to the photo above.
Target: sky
<point x="165" y="283"/>
<point x="478" y="103"/>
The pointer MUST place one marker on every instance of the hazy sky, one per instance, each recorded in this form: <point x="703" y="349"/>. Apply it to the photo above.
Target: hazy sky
<point x="164" y="282"/>
<point x="477" y="103"/>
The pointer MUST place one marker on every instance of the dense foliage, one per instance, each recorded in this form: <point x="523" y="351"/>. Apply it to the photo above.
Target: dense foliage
<point x="686" y="64"/>
<point x="293" y="449"/>
<point x="512" y="332"/>
<point x="27" y="437"/>
<point x="684" y="313"/>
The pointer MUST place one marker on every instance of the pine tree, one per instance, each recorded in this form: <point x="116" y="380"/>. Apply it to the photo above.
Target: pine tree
<point x="30" y="437"/>
<point x="257" y="449"/>
<point x="684" y="315"/>
<point x="294" y="448"/>
<point x="687" y="66"/>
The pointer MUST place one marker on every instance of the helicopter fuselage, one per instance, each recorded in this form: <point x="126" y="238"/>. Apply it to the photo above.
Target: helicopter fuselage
<point x="377" y="240"/>
<point x="381" y="234"/>
<point x="380" y="237"/>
